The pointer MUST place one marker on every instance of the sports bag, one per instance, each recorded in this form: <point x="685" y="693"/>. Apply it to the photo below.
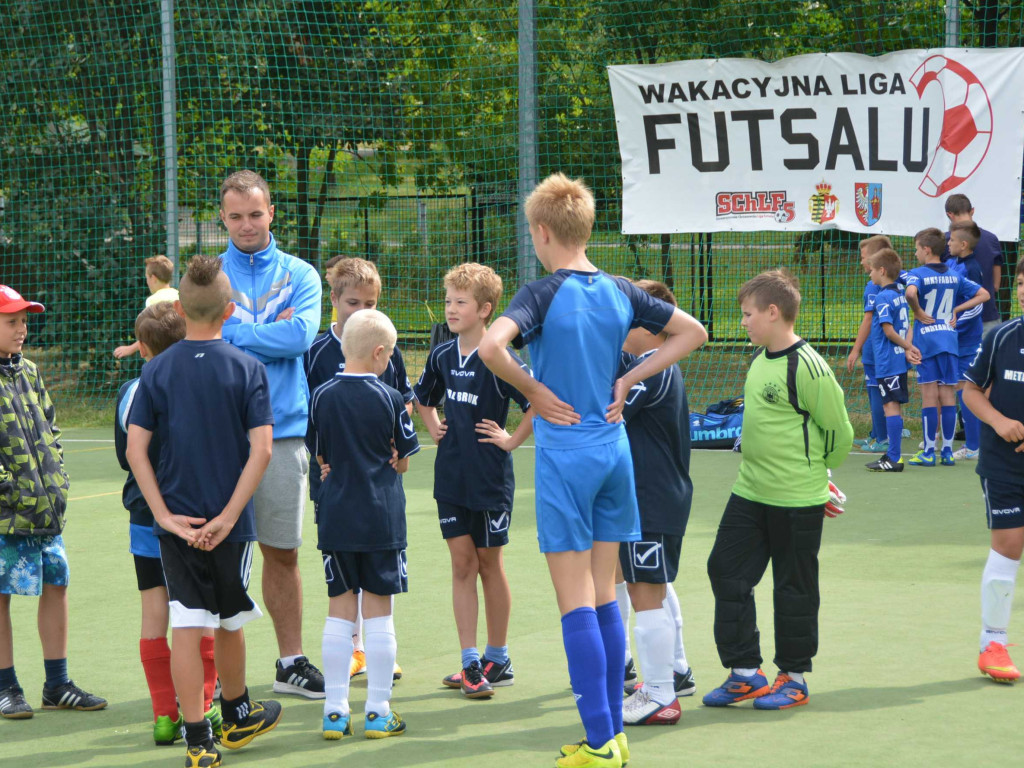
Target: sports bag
<point x="719" y="427"/>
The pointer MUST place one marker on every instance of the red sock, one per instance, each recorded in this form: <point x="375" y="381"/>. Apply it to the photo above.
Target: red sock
<point x="209" y="671"/>
<point x="156" y="661"/>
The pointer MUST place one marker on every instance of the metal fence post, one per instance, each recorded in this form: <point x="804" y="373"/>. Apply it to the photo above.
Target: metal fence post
<point x="170" y="148"/>
<point x="528" y="175"/>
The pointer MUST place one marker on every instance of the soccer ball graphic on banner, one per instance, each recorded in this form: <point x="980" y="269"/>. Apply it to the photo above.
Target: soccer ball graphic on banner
<point x="966" y="123"/>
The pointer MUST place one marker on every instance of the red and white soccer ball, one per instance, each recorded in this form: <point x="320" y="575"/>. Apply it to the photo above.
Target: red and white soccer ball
<point x="966" y="123"/>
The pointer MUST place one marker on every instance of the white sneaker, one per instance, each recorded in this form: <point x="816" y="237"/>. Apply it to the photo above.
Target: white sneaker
<point x="641" y="709"/>
<point x="965" y="453"/>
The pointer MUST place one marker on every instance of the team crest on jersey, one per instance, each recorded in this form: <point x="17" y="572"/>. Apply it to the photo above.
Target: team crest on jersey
<point x="771" y="393"/>
<point x="823" y="204"/>
<point x="868" y="202"/>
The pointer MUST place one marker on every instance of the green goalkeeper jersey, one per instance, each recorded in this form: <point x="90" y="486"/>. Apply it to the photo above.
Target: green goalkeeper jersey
<point x="794" y="427"/>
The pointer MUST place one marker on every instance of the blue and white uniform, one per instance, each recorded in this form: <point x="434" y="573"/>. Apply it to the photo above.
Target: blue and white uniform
<point x="575" y="324"/>
<point x="969" y="325"/>
<point x="939" y="292"/>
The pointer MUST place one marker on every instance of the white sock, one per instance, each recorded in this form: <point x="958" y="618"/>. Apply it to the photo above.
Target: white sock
<point x="671" y="604"/>
<point x="655" y="632"/>
<point x="744" y="671"/>
<point x="337" y="654"/>
<point x="622" y="599"/>
<point x="797" y="677"/>
<point x="287" y="661"/>
<point x="357" y="633"/>
<point x="997" y="583"/>
<point x="381" y="649"/>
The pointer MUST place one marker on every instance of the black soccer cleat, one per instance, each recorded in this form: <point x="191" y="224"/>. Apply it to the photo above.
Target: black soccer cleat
<point x="13" y="705"/>
<point x="70" y="696"/>
<point x="885" y="464"/>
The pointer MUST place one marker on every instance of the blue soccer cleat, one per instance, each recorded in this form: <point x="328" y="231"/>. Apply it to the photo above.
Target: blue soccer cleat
<point x="785" y="693"/>
<point x="383" y="726"/>
<point x="737" y="688"/>
<point x="337" y="726"/>
<point x="947" y="457"/>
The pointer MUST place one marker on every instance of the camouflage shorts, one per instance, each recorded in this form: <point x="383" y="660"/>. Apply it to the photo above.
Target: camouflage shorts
<point x="28" y="562"/>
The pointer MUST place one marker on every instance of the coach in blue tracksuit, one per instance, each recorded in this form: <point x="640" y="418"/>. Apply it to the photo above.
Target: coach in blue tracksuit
<point x="277" y="314"/>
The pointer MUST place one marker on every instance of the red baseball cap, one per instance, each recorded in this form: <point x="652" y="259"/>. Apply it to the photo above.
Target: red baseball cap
<point x="11" y="302"/>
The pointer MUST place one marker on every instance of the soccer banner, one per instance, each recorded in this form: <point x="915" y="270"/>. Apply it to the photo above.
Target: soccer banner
<point x="862" y="143"/>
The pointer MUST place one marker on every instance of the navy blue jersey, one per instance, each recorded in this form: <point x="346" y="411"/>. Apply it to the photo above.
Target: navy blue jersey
<point x="575" y="324"/>
<point x="890" y="307"/>
<point x="989" y="253"/>
<point x="939" y="291"/>
<point x="352" y="420"/>
<point x="201" y="398"/>
<point x="658" y="425"/>
<point x="969" y="324"/>
<point x="469" y="473"/>
<point x="1000" y="365"/>
<point x="131" y="496"/>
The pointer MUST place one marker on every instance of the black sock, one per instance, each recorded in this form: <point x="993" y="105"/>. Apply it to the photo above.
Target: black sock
<point x="235" y="710"/>
<point x="199" y="734"/>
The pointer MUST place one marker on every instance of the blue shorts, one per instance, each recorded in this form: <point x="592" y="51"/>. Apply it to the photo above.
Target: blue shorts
<point x="893" y="389"/>
<point x="28" y="562"/>
<point x="967" y="358"/>
<point x="381" y="572"/>
<point x="585" y="495"/>
<point x="869" y="375"/>
<point x="943" y="368"/>
<point x="142" y="542"/>
<point x="1004" y="504"/>
<point x="488" y="529"/>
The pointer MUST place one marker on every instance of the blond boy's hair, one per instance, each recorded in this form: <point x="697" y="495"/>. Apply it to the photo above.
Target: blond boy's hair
<point x="160" y="267"/>
<point x="351" y="272"/>
<point x="932" y="239"/>
<point x="776" y="286"/>
<point x="889" y="261"/>
<point x="159" y="326"/>
<point x="245" y="183"/>
<point x="565" y="206"/>
<point x="478" y="279"/>
<point x="366" y="330"/>
<point x="967" y="231"/>
<point x="872" y="245"/>
<point x="205" y="290"/>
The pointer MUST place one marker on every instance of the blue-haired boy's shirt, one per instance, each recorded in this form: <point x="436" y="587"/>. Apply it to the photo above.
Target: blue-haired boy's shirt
<point x="890" y="307"/>
<point x="969" y="325"/>
<point x="939" y="290"/>
<point x="575" y="324"/>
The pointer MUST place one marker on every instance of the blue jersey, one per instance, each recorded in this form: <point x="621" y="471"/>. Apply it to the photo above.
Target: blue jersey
<point x="890" y="307"/>
<point x="1000" y="365"/>
<point x="969" y="324"/>
<point x="353" y="419"/>
<point x="131" y="496"/>
<point x="469" y="473"/>
<point x="658" y="426"/>
<point x="201" y="398"/>
<point x="575" y="324"/>
<point x="870" y="289"/>
<point x="324" y="358"/>
<point x="989" y="254"/>
<point x="939" y="291"/>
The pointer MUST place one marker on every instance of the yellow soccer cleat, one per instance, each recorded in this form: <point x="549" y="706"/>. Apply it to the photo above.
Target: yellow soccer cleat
<point x="586" y="756"/>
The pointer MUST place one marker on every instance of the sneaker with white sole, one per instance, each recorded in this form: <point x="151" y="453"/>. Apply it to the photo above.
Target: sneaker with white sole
<point x="965" y="454"/>
<point x="300" y="678"/>
<point x="641" y="709"/>
<point x="13" y="705"/>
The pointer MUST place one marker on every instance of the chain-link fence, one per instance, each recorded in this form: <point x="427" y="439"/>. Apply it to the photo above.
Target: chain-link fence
<point x="388" y="130"/>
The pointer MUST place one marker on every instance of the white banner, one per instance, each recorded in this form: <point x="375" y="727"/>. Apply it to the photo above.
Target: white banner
<point x="862" y="143"/>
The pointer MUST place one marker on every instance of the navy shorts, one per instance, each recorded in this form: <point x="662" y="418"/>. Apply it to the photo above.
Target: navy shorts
<point x="382" y="572"/>
<point x="208" y="589"/>
<point x="966" y="359"/>
<point x="585" y="495"/>
<point x="894" y="389"/>
<point x="869" y="375"/>
<point x="1004" y="504"/>
<point x="488" y="529"/>
<point x="652" y="560"/>
<point x="149" y="572"/>
<point x="943" y="368"/>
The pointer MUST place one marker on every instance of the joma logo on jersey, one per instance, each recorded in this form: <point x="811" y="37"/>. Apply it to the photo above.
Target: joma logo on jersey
<point x="461" y="397"/>
<point x="1013" y="375"/>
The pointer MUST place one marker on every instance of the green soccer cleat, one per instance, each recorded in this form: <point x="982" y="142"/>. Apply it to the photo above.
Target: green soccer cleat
<point x="922" y="458"/>
<point x="607" y="755"/>
<point x="167" y="731"/>
<point x="216" y="721"/>
<point x="620" y="739"/>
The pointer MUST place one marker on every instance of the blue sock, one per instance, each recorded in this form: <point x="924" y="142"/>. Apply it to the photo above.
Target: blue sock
<point x="496" y="653"/>
<point x="469" y="655"/>
<point x="56" y="672"/>
<point x="7" y="678"/>
<point x="614" y="637"/>
<point x="584" y="650"/>
<point x="929" y="423"/>
<point x="972" y="425"/>
<point x="878" y="425"/>
<point x="948" y="425"/>
<point x="894" y="429"/>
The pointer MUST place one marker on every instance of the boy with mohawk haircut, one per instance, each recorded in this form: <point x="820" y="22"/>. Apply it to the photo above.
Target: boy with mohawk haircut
<point x="795" y="428"/>
<point x="473" y="478"/>
<point x="210" y="405"/>
<point x="354" y="285"/>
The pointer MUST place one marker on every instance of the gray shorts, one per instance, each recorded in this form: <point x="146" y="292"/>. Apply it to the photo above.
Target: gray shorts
<point x="280" y="498"/>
